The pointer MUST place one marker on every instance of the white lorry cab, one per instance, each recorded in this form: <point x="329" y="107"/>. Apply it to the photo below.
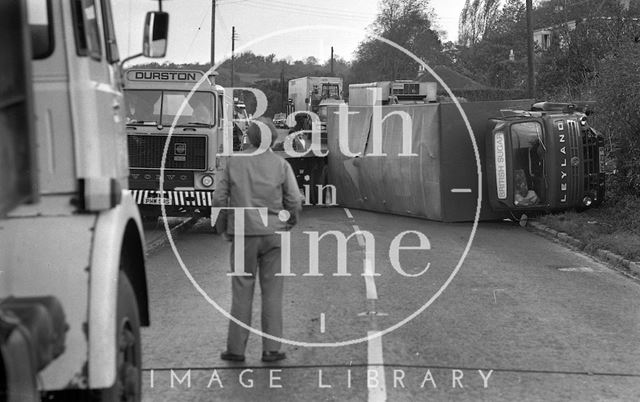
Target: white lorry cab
<point x="73" y="291"/>
<point x="175" y="125"/>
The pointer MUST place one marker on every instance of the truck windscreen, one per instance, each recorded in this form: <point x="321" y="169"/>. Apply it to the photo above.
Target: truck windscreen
<point x="198" y="111"/>
<point x="330" y="91"/>
<point x="156" y="107"/>
<point x="528" y="163"/>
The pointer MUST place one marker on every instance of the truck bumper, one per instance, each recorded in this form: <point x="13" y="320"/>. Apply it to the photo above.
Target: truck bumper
<point x="180" y="198"/>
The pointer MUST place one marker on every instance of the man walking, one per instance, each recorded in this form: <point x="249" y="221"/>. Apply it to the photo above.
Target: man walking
<point x="249" y="183"/>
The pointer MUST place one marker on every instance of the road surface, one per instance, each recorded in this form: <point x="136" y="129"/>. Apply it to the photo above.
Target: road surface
<point x="522" y="319"/>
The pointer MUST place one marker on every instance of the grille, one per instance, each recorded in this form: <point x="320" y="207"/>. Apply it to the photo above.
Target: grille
<point x="591" y="160"/>
<point x="575" y="143"/>
<point x="184" y="152"/>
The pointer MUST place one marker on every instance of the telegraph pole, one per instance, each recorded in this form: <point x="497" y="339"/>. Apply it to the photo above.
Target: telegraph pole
<point x="283" y="104"/>
<point x="233" y="48"/>
<point x="530" y="74"/>
<point x="332" y="61"/>
<point x="213" y="32"/>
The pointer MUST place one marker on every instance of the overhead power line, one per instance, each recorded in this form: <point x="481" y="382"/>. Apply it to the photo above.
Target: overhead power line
<point x="313" y="12"/>
<point x="205" y="13"/>
<point x="326" y="11"/>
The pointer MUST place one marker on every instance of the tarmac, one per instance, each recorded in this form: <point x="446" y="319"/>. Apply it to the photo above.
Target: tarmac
<point x="612" y="259"/>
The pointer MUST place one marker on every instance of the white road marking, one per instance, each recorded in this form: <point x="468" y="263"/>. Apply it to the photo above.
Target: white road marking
<point x="495" y="300"/>
<point x="461" y="190"/>
<point x="369" y="282"/>
<point x="376" y="384"/>
<point x="576" y="269"/>
<point x="322" y="323"/>
<point x="359" y="236"/>
<point x="375" y="364"/>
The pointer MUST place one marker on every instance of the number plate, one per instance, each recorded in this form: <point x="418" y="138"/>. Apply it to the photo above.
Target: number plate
<point x="157" y="201"/>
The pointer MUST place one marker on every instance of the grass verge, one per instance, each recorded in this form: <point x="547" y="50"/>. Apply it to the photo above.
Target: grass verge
<point x="612" y="226"/>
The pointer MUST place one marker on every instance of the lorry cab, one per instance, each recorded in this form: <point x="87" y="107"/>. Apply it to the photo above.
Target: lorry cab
<point x="314" y="95"/>
<point x="71" y="238"/>
<point x="545" y="159"/>
<point x="156" y="101"/>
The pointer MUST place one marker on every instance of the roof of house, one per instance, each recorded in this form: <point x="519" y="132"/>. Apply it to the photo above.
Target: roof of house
<point x="453" y="79"/>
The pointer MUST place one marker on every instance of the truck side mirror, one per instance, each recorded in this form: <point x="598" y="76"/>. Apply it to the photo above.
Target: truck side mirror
<point x="156" y="30"/>
<point x="306" y="100"/>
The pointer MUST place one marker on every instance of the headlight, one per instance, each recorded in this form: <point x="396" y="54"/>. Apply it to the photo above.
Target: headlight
<point x="583" y="121"/>
<point x="207" y="181"/>
<point x="587" y="201"/>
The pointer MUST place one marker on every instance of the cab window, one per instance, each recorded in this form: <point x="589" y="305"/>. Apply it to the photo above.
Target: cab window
<point x="39" y="16"/>
<point x="113" y="55"/>
<point x="86" y="29"/>
<point x="529" y="181"/>
<point x="143" y="107"/>
<point x="197" y="111"/>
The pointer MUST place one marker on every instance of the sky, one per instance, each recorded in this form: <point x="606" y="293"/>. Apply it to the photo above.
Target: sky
<point x="290" y="29"/>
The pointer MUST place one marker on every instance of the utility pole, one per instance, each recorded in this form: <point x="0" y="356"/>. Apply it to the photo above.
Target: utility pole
<point x="332" y="61"/>
<point x="233" y="48"/>
<point x="283" y="104"/>
<point x="531" y="77"/>
<point x="213" y="32"/>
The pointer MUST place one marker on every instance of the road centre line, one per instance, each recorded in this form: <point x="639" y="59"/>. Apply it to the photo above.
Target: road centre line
<point x="375" y="363"/>
<point x="376" y="392"/>
<point x="359" y="236"/>
<point x="369" y="281"/>
<point x="346" y="211"/>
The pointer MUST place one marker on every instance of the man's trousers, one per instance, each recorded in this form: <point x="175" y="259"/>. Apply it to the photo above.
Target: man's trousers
<point x="262" y="258"/>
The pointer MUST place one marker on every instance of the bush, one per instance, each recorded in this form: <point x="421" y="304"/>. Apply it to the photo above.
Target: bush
<point x="618" y="94"/>
<point x="489" y="94"/>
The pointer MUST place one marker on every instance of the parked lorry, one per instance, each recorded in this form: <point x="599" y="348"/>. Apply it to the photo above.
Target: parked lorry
<point x="314" y="94"/>
<point x="73" y="291"/>
<point x="419" y="159"/>
<point x="157" y="98"/>
<point x="391" y="92"/>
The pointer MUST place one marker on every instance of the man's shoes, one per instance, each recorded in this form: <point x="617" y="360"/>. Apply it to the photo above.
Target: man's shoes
<point x="273" y="356"/>
<point x="232" y="357"/>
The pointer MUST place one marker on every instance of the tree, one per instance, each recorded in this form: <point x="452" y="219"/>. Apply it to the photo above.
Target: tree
<point x="311" y="60"/>
<point x="476" y="18"/>
<point x="488" y="59"/>
<point x="407" y="23"/>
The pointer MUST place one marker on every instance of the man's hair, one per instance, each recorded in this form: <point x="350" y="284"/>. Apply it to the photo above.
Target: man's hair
<point x="253" y="132"/>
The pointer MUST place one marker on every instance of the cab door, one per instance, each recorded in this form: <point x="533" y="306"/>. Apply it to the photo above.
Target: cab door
<point x="97" y="100"/>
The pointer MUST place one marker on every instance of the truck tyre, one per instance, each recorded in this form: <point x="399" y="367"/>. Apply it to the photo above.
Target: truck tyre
<point x="128" y="385"/>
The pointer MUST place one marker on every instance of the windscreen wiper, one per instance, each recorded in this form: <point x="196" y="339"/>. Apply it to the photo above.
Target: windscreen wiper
<point x="544" y="148"/>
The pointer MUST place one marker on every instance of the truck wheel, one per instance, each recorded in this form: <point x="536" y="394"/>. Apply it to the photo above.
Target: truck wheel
<point x="128" y="385"/>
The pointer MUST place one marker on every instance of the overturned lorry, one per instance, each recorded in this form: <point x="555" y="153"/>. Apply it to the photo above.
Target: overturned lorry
<point x="419" y="160"/>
